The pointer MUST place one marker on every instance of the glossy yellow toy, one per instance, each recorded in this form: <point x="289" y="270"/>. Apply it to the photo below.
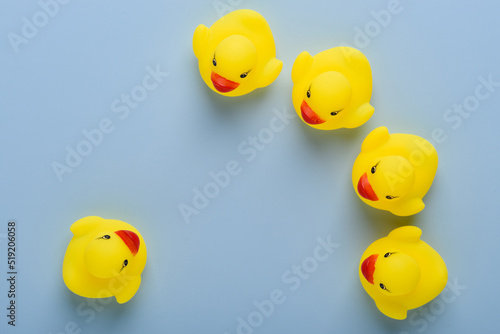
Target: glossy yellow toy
<point x="104" y="258"/>
<point x="237" y="53"/>
<point x="393" y="172"/>
<point x="401" y="272"/>
<point x="332" y="90"/>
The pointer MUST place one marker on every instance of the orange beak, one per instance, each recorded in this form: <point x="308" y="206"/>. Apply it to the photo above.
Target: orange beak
<point x="368" y="267"/>
<point x="308" y="115"/>
<point x="222" y="84"/>
<point x="365" y="189"/>
<point x="130" y="239"/>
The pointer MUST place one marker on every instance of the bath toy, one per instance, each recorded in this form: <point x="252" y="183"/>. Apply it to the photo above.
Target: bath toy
<point x="104" y="258"/>
<point x="401" y="272"/>
<point x="237" y="53"/>
<point x="393" y="172"/>
<point x="332" y="90"/>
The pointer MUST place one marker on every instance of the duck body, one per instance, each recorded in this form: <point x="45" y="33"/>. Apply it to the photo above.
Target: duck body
<point x="237" y="54"/>
<point x="104" y="258"/>
<point x="332" y="89"/>
<point x="393" y="172"/>
<point x="401" y="272"/>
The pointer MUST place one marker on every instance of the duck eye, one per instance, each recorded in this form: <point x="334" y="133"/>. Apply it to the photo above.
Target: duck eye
<point x="308" y="93"/>
<point x="214" y="61"/>
<point x="243" y="75"/>
<point x="382" y="286"/>
<point x="373" y="170"/>
<point x="106" y="237"/>
<point x="390" y="197"/>
<point x="387" y="254"/>
<point x="125" y="263"/>
<point x="334" y="113"/>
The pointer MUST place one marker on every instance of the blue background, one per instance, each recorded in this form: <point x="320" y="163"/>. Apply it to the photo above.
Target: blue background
<point x="203" y="275"/>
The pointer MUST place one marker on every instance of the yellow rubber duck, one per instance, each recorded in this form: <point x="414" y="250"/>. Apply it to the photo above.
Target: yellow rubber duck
<point x="401" y="272"/>
<point x="393" y="172"/>
<point x="332" y="90"/>
<point x="236" y="55"/>
<point x="104" y="258"/>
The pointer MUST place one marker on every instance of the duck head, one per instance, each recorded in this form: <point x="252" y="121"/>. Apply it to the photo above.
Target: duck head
<point x="391" y="273"/>
<point x="387" y="179"/>
<point x="325" y="99"/>
<point x="232" y="63"/>
<point x="111" y="253"/>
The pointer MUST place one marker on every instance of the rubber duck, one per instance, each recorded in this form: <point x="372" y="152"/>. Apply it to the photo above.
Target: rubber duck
<point x="401" y="272"/>
<point x="104" y="258"/>
<point x="332" y="90"/>
<point x="236" y="55"/>
<point x="393" y="172"/>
